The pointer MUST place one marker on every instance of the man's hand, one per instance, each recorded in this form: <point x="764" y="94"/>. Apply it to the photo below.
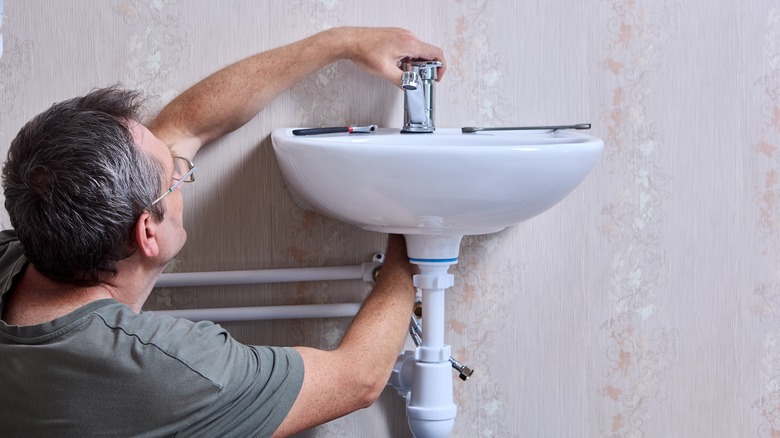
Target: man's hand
<point x="380" y="50"/>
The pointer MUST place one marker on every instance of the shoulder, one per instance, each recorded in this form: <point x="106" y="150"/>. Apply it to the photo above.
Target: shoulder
<point x="150" y="326"/>
<point x="10" y="248"/>
<point x="12" y="259"/>
<point x="181" y="339"/>
<point x="204" y="347"/>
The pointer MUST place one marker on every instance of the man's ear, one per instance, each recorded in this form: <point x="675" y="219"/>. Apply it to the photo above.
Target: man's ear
<point x="146" y="232"/>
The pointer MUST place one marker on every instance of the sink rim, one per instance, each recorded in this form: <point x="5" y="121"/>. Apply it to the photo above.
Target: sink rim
<point x="390" y="137"/>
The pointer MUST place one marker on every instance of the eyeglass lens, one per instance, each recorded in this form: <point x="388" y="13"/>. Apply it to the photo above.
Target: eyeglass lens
<point x="182" y="167"/>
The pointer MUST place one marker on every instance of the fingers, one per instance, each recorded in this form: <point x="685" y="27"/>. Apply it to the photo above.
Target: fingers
<point x="396" y="257"/>
<point x="381" y="51"/>
<point x="420" y="50"/>
<point x="430" y="52"/>
<point x="396" y="245"/>
<point x="393" y="72"/>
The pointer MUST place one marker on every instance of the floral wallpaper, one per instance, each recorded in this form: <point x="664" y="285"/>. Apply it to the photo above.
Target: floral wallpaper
<point x="646" y="304"/>
<point x="633" y="219"/>
<point x="766" y="297"/>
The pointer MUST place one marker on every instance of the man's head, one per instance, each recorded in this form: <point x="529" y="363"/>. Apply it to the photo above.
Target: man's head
<point x="75" y="183"/>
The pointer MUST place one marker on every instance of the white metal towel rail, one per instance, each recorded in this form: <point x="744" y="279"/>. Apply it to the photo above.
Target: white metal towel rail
<point x="364" y="271"/>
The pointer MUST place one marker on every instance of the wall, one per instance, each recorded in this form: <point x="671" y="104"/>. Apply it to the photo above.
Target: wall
<point x="646" y="304"/>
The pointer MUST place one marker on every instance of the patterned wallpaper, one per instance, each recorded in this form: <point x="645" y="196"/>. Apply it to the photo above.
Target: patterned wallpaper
<point x="766" y="300"/>
<point x="646" y="304"/>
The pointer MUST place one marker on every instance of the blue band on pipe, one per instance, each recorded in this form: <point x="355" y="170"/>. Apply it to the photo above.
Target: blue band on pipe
<point x="455" y="260"/>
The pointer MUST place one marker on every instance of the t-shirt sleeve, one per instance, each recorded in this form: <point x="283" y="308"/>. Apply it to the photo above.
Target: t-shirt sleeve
<point x="12" y="259"/>
<point x="258" y="388"/>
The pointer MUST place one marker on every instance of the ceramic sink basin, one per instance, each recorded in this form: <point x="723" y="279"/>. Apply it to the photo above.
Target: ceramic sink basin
<point x="445" y="183"/>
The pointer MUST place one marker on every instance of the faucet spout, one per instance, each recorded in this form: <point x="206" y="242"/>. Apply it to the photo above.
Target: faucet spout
<point x="418" y="83"/>
<point x="415" y="107"/>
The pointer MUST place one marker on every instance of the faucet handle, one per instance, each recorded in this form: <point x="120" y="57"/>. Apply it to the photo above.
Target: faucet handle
<point x="415" y="71"/>
<point x="406" y="65"/>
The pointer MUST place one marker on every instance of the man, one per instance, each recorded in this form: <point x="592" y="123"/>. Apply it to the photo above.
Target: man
<point x="93" y="197"/>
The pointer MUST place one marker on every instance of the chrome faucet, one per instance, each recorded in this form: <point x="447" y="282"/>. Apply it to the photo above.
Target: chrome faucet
<point x="418" y="82"/>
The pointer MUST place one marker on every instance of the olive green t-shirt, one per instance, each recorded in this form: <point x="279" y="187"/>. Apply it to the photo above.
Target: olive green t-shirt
<point x="104" y="370"/>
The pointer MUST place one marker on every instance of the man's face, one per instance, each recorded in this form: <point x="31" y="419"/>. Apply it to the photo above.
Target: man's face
<point x="174" y="235"/>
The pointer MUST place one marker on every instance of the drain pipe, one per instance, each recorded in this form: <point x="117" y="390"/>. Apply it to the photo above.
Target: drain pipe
<point x="430" y="407"/>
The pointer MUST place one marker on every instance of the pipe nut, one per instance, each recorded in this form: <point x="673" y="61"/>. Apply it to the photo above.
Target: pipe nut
<point x="417" y="310"/>
<point x="434" y="281"/>
<point x="465" y="373"/>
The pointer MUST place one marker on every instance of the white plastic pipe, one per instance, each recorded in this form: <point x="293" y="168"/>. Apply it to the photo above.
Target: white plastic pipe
<point x="433" y="280"/>
<point x="363" y="272"/>
<point x="230" y="314"/>
<point x="430" y="408"/>
<point x="220" y="278"/>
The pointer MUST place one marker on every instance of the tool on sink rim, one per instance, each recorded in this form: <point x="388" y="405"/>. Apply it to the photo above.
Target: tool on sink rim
<point x="335" y="129"/>
<point x="470" y="129"/>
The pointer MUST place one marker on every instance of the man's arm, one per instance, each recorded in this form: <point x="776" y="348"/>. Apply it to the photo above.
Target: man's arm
<point x="231" y="97"/>
<point x="353" y="375"/>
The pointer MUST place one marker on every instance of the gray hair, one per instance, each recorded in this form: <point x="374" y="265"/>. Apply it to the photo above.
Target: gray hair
<point x="75" y="184"/>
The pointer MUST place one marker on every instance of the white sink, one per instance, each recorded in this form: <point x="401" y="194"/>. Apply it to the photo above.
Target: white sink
<point x="442" y="185"/>
<point x="433" y="188"/>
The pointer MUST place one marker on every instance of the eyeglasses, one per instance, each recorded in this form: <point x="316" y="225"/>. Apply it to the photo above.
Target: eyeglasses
<point x="183" y="172"/>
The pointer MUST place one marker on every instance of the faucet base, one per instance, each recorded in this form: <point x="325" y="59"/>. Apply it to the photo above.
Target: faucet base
<point x="416" y="131"/>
